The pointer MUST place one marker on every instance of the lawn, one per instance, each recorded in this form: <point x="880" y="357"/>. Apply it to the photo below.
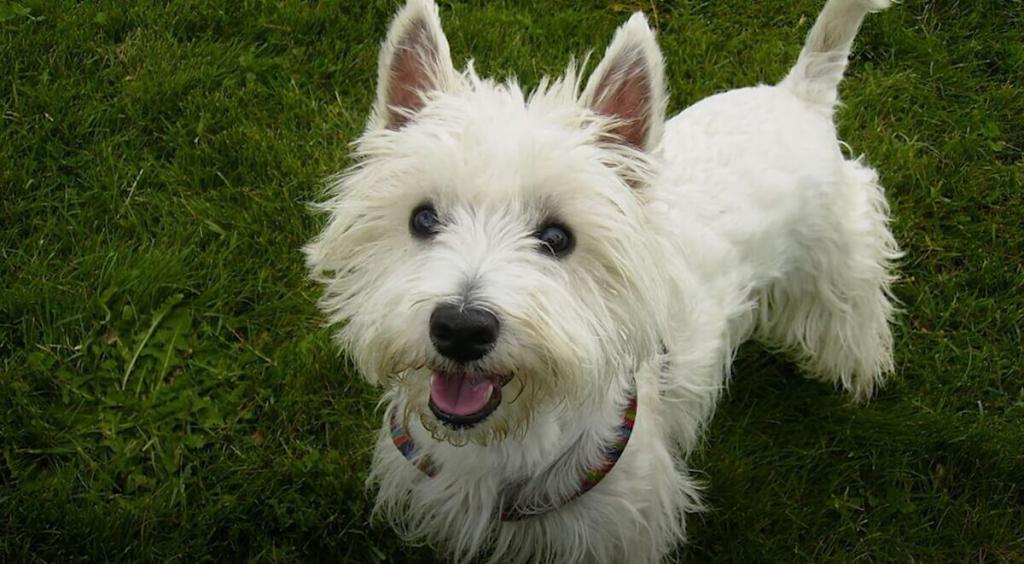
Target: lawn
<point x="167" y="390"/>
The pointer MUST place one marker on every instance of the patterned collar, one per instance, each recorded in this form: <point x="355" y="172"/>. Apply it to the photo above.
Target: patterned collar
<point x="513" y="511"/>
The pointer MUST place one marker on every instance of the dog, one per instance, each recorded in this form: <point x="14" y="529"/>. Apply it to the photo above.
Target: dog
<point x="550" y="286"/>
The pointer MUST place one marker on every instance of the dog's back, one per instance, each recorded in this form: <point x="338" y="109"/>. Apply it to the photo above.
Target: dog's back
<point x="806" y="228"/>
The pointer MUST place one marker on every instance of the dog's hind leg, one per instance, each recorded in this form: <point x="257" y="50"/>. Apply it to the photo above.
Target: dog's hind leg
<point x="833" y="311"/>
<point x="832" y="307"/>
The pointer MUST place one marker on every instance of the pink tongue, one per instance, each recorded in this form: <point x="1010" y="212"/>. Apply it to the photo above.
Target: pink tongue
<point x="460" y="395"/>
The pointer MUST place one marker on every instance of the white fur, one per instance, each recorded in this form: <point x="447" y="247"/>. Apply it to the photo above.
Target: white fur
<point x="738" y="217"/>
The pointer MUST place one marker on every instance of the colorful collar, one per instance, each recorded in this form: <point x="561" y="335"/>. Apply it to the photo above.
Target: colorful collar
<point x="512" y="511"/>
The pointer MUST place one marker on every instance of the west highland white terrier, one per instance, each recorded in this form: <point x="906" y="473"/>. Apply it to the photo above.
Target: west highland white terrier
<point x="550" y="286"/>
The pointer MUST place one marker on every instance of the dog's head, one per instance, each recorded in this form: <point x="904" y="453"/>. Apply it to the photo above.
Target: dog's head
<point x="488" y="256"/>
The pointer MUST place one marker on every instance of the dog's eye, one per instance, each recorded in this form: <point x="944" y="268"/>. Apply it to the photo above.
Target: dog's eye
<point x="424" y="223"/>
<point x="556" y="240"/>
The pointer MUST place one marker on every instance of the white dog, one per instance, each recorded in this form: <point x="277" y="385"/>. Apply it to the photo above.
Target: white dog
<point x="529" y="274"/>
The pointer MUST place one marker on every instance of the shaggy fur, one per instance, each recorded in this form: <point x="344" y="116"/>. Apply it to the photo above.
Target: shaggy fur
<point x="738" y="217"/>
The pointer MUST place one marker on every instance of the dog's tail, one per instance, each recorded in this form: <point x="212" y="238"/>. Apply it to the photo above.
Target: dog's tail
<point x="817" y="72"/>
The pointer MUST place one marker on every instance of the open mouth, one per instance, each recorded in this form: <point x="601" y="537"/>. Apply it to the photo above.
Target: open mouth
<point x="462" y="400"/>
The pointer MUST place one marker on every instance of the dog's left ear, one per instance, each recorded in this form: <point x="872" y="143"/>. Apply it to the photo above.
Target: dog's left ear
<point x="629" y="85"/>
<point x="414" y="61"/>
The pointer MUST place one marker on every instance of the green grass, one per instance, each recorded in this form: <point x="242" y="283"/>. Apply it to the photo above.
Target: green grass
<point x="167" y="390"/>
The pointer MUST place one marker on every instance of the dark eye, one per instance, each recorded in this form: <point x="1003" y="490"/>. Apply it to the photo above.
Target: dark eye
<point x="556" y="240"/>
<point x="424" y="223"/>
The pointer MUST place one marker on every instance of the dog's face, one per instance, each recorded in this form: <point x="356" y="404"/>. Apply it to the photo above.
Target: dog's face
<point x="488" y="255"/>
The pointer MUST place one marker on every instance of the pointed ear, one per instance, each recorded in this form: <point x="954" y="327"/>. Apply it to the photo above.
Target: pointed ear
<point x="629" y="85"/>
<point x="414" y="60"/>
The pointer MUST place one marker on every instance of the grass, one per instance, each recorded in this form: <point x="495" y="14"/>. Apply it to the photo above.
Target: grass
<point x="167" y="390"/>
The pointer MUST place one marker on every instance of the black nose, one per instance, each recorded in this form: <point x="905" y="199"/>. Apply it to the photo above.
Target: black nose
<point x="463" y="333"/>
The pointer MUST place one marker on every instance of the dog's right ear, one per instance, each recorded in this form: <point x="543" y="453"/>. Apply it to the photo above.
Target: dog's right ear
<point x="414" y="61"/>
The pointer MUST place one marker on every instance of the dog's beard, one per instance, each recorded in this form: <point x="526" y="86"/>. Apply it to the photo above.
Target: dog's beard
<point x="511" y="417"/>
<point x="530" y="385"/>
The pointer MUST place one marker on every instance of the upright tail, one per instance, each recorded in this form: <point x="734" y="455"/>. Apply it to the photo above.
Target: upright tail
<point x="817" y="72"/>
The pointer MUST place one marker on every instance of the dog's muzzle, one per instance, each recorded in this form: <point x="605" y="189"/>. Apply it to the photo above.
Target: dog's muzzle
<point x="463" y="334"/>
